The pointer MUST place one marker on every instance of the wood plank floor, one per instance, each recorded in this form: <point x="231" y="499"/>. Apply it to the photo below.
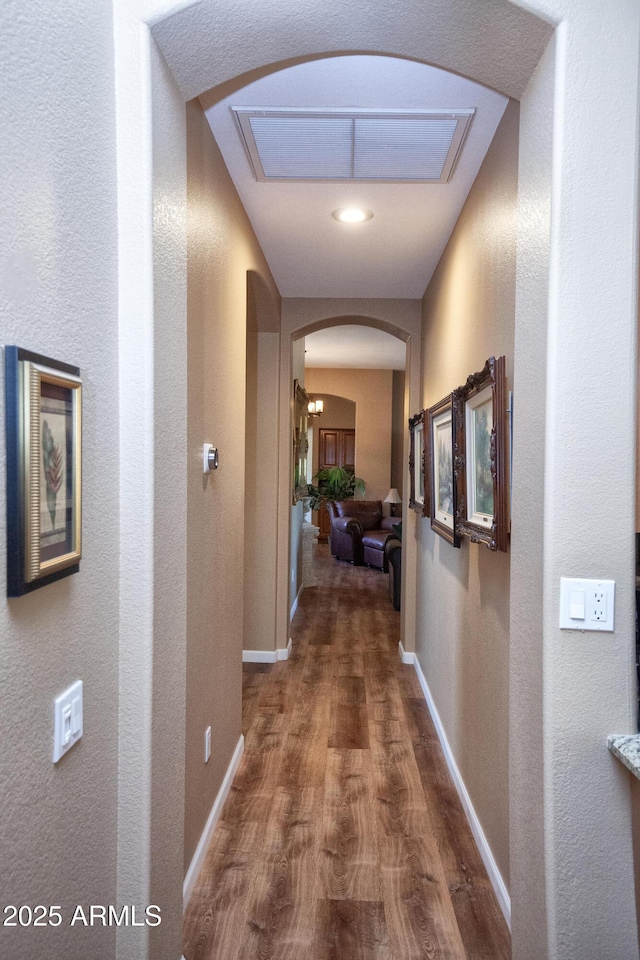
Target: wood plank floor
<point x="342" y="837"/>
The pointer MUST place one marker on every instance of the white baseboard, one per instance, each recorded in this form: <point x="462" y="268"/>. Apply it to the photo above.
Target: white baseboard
<point x="284" y="654"/>
<point x="294" y="605"/>
<point x="259" y="656"/>
<point x="404" y="656"/>
<point x="266" y="656"/>
<point x="491" y="866"/>
<point x="203" y="844"/>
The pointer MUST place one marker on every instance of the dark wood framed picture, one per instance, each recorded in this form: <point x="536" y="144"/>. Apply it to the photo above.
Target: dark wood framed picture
<point x="44" y="470"/>
<point x="439" y="472"/>
<point x="300" y="441"/>
<point x="480" y="456"/>
<point x="416" y="464"/>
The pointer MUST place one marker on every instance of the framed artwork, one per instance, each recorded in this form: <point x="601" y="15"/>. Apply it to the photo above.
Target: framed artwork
<point x="441" y="479"/>
<point x="300" y="441"/>
<point x="44" y="470"/>
<point x="416" y="464"/>
<point x="480" y="456"/>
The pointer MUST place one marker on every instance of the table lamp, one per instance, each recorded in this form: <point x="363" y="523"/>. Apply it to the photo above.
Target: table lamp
<point x="393" y="497"/>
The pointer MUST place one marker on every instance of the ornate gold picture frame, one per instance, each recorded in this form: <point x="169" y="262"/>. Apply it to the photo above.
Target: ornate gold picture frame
<point x="44" y="470"/>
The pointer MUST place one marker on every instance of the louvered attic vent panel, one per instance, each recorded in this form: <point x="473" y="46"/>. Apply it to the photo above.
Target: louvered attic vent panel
<point x="402" y="149"/>
<point x="303" y="147"/>
<point x="387" y="146"/>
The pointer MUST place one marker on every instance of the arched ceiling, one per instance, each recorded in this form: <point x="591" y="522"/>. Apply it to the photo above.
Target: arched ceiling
<point x="216" y="47"/>
<point x="211" y="42"/>
<point x="394" y="254"/>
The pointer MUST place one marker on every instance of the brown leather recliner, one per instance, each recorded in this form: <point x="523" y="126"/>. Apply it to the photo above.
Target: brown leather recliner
<point x="359" y="532"/>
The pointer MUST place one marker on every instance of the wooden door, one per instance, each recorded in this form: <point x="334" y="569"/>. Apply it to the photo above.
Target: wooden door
<point x="337" y="448"/>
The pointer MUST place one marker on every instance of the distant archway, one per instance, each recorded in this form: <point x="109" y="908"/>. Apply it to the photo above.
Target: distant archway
<point x="378" y="323"/>
<point x="400" y="318"/>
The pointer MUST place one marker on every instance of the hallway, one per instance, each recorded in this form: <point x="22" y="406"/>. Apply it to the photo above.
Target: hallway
<point x="343" y="837"/>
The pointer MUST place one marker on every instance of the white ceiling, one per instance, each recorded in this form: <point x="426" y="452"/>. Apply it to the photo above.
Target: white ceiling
<point x="354" y="346"/>
<point x="394" y="255"/>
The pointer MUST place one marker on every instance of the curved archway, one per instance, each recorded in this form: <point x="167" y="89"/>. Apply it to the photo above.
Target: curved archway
<point x="400" y="318"/>
<point x="382" y="404"/>
<point x="377" y="323"/>
<point x="206" y="46"/>
<point x="263" y="304"/>
<point x="501" y="51"/>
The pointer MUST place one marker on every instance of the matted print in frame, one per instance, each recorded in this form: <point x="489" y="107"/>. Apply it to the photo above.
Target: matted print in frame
<point x="416" y="465"/>
<point x="300" y="441"/>
<point x="44" y="470"/>
<point x="480" y="456"/>
<point x="439" y="472"/>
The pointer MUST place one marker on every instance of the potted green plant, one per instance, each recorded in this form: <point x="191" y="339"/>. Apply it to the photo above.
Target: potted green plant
<point x="333" y="483"/>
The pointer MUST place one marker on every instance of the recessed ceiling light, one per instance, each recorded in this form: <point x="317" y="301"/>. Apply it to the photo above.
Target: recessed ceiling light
<point x="352" y="214"/>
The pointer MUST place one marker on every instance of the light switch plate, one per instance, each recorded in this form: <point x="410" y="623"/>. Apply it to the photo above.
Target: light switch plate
<point x="68" y="722"/>
<point x="587" y="604"/>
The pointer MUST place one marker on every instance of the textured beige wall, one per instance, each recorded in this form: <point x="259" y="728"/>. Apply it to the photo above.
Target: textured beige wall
<point x="169" y="504"/>
<point x="261" y="463"/>
<point x="151" y="176"/>
<point x="371" y="390"/>
<point x="527" y="830"/>
<point x="398" y="431"/>
<point x="586" y="687"/>
<point x="463" y="599"/>
<point x="221" y="248"/>
<point x="261" y="523"/>
<point x="58" y="251"/>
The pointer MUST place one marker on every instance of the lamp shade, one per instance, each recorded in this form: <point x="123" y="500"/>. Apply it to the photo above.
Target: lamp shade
<point x="393" y="496"/>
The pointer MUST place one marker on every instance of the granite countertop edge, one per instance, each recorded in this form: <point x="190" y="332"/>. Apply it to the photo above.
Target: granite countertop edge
<point x="626" y="748"/>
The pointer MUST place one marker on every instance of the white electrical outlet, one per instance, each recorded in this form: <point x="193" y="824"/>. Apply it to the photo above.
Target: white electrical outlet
<point x="586" y="604"/>
<point x="598" y="605"/>
<point x="207" y="744"/>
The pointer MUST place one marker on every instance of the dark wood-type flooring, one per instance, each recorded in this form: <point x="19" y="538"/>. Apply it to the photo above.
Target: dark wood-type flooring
<point x="342" y="837"/>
